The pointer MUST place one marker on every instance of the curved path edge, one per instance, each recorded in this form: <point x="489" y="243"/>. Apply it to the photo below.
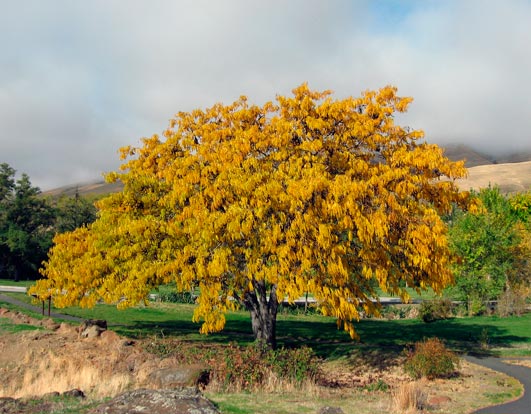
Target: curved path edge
<point x="523" y="374"/>
<point x="16" y="302"/>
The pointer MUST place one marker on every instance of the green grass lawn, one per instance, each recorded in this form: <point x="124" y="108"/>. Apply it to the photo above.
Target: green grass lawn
<point x="6" y="326"/>
<point x="463" y="334"/>
<point x="10" y="282"/>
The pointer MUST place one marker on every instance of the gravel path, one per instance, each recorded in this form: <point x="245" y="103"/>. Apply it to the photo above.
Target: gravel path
<point x="521" y="373"/>
<point x="37" y="309"/>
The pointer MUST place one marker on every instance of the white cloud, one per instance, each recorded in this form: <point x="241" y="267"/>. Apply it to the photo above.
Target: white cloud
<point x="80" y="79"/>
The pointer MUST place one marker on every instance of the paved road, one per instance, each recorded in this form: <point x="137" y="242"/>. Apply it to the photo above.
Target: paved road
<point x="522" y="374"/>
<point x="37" y="309"/>
<point x="17" y="289"/>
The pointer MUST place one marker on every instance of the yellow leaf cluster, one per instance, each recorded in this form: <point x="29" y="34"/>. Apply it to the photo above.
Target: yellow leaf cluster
<point x="308" y="194"/>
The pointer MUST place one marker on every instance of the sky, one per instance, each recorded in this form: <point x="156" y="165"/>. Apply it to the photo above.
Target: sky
<point x="80" y="79"/>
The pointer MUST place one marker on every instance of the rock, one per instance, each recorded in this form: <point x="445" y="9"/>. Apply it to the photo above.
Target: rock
<point x="181" y="376"/>
<point x="143" y="401"/>
<point x="76" y="393"/>
<point x="91" y="332"/>
<point x="330" y="410"/>
<point x="93" y="322"/>
<point x="92" y="328"/>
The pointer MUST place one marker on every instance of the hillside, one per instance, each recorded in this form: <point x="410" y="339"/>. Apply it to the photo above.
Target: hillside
<point x="511" y="178"/>
<point x="458" y="152"/>
<point x="85" y="189"/>
<point x="512" y="173"/>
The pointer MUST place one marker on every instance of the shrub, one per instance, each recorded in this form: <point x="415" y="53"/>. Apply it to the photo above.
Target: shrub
<point x="475" y="306"/>
<point x="255" y="367"/>
<point x="392" y="312"/>
<point x="512" y="302"/>
<point x="377" y="386"/>
<point x="430" y="359"/>
<point x="433" y="310"/>
<point x="177" y="297"/>
<point x="243" y="368"/>
<point x="484" y="338"/>
<point x="296" y="365"/>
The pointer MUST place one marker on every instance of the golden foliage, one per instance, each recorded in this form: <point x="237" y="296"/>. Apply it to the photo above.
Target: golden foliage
<point x="307" y="194"/>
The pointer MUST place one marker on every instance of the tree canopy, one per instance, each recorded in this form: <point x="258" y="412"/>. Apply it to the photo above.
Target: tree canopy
<point x="494" y="247"/>
<point x="254" y="204"/>
<point x="25" y="226"/>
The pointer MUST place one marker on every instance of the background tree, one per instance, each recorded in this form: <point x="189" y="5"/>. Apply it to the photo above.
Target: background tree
<point x="521" y="207"/>
<point x="74" y="212"/>
<point x="256" y="204"/>
<point x="26" y="229"/>
<point x="494" y="249"/>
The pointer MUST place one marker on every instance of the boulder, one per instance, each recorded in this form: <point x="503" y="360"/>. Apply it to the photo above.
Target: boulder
<point x="74" y="393"/>
<point x="185" y="400"/>
<point x="92" y="328"/>
<point x="181" y="376"/>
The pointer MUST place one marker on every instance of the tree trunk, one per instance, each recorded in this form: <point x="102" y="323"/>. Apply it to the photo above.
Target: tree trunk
<point x="263" y="313"/>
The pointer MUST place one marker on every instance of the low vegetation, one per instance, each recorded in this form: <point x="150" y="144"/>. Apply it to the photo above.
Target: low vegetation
<point x="431" y="359"/>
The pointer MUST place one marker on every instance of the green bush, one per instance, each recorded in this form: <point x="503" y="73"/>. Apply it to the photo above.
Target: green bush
<point x="251" y="367"/>
<point x="378" y="386"/>
<point x="177" y="297"/>
<point x="433" y="310"/>
<point x="430" y="359"/>
<point x="294" y="365"/>
<point x="393" y="312"/>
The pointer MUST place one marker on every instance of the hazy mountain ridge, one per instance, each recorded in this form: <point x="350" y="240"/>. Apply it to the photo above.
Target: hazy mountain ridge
<point x="512" y="173"/>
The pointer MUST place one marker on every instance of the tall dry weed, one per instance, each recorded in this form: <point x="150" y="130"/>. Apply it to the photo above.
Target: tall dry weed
<point x="408" y="398"/>
<point x="55" y="373"/>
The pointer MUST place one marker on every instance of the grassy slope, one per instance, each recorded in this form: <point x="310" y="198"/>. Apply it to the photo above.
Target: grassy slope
<point x="6" y="326"/>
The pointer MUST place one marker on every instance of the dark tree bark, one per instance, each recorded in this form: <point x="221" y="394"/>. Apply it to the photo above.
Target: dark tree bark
<point x="263" y="311"/>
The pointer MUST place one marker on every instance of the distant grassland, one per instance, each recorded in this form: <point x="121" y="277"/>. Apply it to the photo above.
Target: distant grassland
<point x="511" y="178"/>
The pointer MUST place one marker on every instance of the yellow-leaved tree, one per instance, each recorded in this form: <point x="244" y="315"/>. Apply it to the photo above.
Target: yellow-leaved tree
<point x="256" y="204"/>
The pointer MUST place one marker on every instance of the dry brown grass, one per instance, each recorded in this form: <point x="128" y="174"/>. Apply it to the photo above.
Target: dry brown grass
<point x="520" y="362"/>
<point x="511" y="178"/>
<point x="409" y="398"/>
<point x="59" y="374"/>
